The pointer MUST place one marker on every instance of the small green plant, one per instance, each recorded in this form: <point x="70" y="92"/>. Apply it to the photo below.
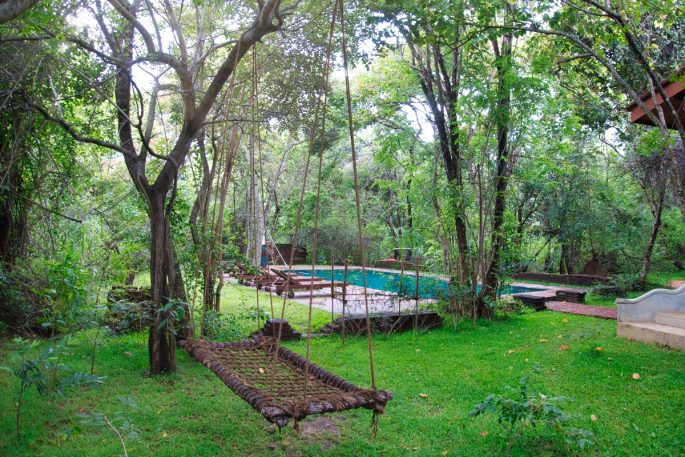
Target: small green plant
<point x="262" y="315"/>
<point x="172" y="312"/>
<point x="221" y="326"/>
<point x="98" y="319"/>
<point x="45" y="371"/>
<point x="626" y="282"/>
<point x="526" y="407"/>
<point x="120" y="424"/>
<point x="126" y="316"/>
<point x="64" y="295"/>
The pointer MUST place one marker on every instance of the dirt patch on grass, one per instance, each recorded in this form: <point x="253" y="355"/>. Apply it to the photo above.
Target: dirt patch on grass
<point x="321" y="426"/>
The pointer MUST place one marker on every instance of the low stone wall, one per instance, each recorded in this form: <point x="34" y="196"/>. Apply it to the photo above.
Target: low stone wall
<point x="384" y="323"/>
<point x="580" y="280"/>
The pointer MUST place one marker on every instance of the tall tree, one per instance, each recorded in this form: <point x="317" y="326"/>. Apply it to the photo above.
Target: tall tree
<point x="133" y="35"/>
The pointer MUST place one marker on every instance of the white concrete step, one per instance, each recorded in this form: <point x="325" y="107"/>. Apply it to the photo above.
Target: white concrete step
<point x="650" y="332"/>
<point x="671" y="319"/>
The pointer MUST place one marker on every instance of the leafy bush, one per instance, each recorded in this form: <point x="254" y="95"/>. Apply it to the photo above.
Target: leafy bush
<point x="64" y="295"/>
<point x="253" y="314"/>
<point x="43" y="296"/>
<point x="126" y="316"/>
<point x="45" y="371"/>
<point x="526" y="408"/>
<point x="16" y="312"/>
<point x="606" y="290"/>
<point x="626" y="282"/>
<point x="221" y="326"/>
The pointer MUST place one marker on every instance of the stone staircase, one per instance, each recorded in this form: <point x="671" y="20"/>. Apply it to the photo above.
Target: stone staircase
<point x="656" y="317"/>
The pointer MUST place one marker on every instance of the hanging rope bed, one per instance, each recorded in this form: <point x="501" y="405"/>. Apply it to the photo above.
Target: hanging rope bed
<point x="279" y="383"/>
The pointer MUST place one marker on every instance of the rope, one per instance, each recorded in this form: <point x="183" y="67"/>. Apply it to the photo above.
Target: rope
<point x="220" y="190"/>
<point x="258" y="139"/>
<point x="315" y="241"/>
<point x="350" y="122"/>
<point x="255" y="223"/>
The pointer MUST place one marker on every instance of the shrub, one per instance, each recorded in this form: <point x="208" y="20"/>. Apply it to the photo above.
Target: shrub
<point x="45" y="371"/>
<point x="626" y="282"/>
<point x="16" y="313"/>
<point x="43" y="296"/>
<point x="221" y="326"/>
<point x="126" y="316"/>
<point x="526" y="407"/>
<point x="65" y="296"/>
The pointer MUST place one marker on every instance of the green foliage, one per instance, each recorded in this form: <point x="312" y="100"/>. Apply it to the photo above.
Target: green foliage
<point x="44" y="296"/>
<point x="45" y="370"/>
<point x="64" y="294"/>
<point x="16" y="310"/>
<point x="120" y="423"/>
<point x="528" y="408"/>
<point x="221" y="326"/>
<point x="626" y="282"/>
<point x="125" y="316"/>
<point x="172" y="312"/>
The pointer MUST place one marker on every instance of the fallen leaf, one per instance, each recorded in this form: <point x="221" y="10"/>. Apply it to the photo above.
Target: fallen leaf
<point x="542" y="340"/>
<point x="599" y="348"/>
<point x="511" y="351"/>
<point x="593" y="417"/>
<point x="423" y="395"/>
<point x="261" y="370"/>
<point x="563" y="347"/>
<point x="559" y="336"/>
<point x="165" y="434"/>
<point x="484" y="433"/>
<point x="636" y="376"/>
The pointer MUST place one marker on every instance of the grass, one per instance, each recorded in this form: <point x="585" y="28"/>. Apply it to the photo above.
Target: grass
<point x="241" y="303"/>
<point x="192" y="413"/>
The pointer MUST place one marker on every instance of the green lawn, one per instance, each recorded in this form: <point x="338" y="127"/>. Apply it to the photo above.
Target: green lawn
<point x="191" y="412"/>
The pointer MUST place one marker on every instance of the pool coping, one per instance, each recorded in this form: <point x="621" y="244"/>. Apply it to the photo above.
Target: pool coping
<point x="544" y="288"/>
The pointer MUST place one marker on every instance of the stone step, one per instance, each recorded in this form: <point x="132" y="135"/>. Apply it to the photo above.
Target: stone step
<point x="650" y="332"/>
<point x="671" y="319"/>
<point x="582" y="310"/>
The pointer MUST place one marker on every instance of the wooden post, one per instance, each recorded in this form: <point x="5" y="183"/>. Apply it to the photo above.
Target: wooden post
<point x="344" y="300"/>
<point x="332" y="290"/>
<point x="416" y="295"/>
<point x="399" y="295"/>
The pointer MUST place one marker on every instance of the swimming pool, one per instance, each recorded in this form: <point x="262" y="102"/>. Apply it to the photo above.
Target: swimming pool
<point x="429" y="287"/>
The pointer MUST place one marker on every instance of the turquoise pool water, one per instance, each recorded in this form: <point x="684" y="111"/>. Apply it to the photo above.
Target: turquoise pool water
<point x="429" y="287"/>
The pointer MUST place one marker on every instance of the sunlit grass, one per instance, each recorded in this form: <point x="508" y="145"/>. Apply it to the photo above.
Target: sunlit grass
<point x="192" y="413"/>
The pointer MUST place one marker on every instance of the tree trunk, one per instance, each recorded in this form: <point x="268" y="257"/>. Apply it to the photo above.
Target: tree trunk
<point x="498" y="240"/>
<point x="162" y="343"/>
<point x="178" y="292"/>
<point x="647" y="259"/>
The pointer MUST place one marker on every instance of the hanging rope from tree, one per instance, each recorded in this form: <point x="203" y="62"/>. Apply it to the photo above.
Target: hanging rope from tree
<point x="297" y="387"/>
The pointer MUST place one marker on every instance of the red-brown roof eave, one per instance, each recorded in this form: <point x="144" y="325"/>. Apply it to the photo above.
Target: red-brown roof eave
<point x="664" y="83"/>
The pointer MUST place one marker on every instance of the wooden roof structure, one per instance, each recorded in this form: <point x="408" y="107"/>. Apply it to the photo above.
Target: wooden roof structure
<point x="674" y="89"/>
